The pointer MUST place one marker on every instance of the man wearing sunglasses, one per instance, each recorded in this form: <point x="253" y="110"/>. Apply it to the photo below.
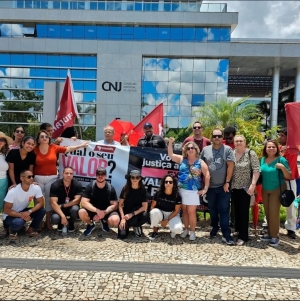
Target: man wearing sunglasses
<point x="16" y="213"/>
<point x="220" y="161"/>
<point x="229" y="133"/>
<point x="99" y="203"/>
<point x="197" y="137"/>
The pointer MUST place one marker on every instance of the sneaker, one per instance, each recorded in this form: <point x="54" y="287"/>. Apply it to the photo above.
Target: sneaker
<point x="138" y="231"/>
<point x="229" y="241"/>
<point x="152" y="235"/>
<point x="89" y="229"/>
<point x="235" y="234"/>
<point x="185" y="233"/>
<point x="274" y="242"/>
<point x="13" y="235"/>
<point x="104" y="225"/>
<point x="292" y="234"/>
<point x="173" y="234"/>
<point x="192" y="235"/>
<point x="240" y="242"/>
<point x="59" y="227"/>
<point x="266" y="237"/>
<point x="212" y="234"/>
<point x="71" y="227"/>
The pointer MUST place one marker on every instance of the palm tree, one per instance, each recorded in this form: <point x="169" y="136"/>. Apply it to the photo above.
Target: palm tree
<point x="225" y="111"/>
<point x="264" y="109"/>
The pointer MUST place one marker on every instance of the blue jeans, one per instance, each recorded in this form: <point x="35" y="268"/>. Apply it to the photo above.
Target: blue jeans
<point x="219" y="205"/>
<point x="72" y="212"/>
<point x="15" y="224"/>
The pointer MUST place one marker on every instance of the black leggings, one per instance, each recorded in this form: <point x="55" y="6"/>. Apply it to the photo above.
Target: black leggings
<point x="136" y="221"/>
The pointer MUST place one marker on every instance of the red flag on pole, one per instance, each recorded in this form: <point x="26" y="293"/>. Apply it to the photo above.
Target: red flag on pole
<point x="292" y="110"/>
<point x="156" y="118"/>
<point x="67" y="109"/>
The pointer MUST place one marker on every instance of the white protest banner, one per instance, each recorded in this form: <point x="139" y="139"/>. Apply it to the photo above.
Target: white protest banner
<point x="85" y="161"/>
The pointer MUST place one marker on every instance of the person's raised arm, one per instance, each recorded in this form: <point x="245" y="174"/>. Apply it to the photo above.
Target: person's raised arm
<point x="75" y="147"/>
<point x="174" y="157"/>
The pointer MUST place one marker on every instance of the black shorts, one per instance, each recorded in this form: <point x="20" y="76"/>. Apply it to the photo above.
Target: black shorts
<point x="92" y="214"/>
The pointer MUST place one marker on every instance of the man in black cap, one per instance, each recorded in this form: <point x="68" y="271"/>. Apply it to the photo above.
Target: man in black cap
<point x="99" y="203"/>
<point x="151" y="140"/>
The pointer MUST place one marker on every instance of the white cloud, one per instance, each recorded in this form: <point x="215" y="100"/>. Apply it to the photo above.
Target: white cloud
<point x="19" y="81"/>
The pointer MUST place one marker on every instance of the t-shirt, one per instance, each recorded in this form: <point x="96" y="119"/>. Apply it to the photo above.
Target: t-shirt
<point x="114" y="142"/>
<point x="45" y="165"/>
<point x="155" y="141"/>
<point x="216" y="160"/>
<point x="166" y="202"/>
<point x="20" y="198"/>
<point x="270" y="179"/>
<point x="201" y="143"/>
<point x="3" y="167"/>
<point x="292" y="160"/>
<point x="20" y="164"/>
<point x="99" y="198"/>
<point x="134" y="199"/>
<point x="59" y="190"/>
<point x="229" y="144"/>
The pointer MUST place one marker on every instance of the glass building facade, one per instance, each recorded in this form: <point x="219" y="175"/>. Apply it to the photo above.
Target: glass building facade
<point x="22" y="78"/>
<point x="183" y="85"/>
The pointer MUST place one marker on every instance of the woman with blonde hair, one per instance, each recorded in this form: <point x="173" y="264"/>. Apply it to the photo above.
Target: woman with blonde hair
<point x="245" y="175"/>
<point x="190" y="183"/>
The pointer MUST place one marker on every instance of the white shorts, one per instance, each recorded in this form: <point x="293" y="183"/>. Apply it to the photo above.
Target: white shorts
<point x="189" y="197"/>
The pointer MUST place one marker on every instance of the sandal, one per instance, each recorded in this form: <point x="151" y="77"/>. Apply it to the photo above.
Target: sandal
<point x="4" y="233"/>
<point x="33" y="234"/>
<point x="13" y="236"/>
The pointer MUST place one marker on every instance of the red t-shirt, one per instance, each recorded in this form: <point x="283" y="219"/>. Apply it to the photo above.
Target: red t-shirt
<point x="292" y="160"/>
<point x="229" y="144"/>
<point x="201" y="143"/>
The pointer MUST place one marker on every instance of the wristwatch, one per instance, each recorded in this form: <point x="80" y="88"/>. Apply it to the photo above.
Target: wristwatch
<point x="30" y="211"/>
<point x="133" y="214"/>
<point x="227" y="182"/>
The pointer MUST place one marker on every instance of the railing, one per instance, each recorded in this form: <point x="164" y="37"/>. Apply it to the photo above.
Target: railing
<point x="265" y="41"/>
<point x="170" y="6"/>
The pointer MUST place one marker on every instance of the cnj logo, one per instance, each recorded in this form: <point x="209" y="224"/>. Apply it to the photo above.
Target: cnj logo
<point x="108" y="86"/>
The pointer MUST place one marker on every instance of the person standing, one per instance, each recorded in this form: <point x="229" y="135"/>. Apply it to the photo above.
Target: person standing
<point x="229" y="134"/>
<point x="133" y="205"/>
<point x="190" y="182"/>
<point x="65" y="196"/>
<point x="16" y="213"/>
<point x="220" y="161"/>
<point x="5" y="141"/>
<point x="109" y="132"/>
<point x="151" y="140"/>
<point x="291" y="157"/>
<point x="245" y="175"/>
<point x="274" y="169"/>
<point x="99" y="203"/>
<point x="20" y="159"/>
<point x="197" y="137"/>
<point x="165" y="207"/>
<point x="18" y="135"/>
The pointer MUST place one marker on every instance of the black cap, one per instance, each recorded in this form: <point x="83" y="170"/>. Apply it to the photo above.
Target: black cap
<point x="101" y="169"/>
<point x="148" y="124"/>
<point x="134" y="172"/>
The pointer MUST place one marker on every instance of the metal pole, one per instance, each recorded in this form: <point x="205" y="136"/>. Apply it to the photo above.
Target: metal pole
<point x="274" y="98"/>
<point x="297" y="86"/>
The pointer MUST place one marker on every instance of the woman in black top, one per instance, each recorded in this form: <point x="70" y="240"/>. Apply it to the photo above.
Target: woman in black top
<point x="20" y="159"/>
<point x="133" y="205"/>
<point x="165" y="207"/>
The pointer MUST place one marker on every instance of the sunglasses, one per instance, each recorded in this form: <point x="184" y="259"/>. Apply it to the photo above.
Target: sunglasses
<point x="19" y="132"/>
<point x="29" y="177"/>
<point x="2" y="140"/>
<point x="168" y="182"/>
<point x="135" y="178"/>
<point x="217" y="136"/>
<point x="197" y="127"/>
<point x="100" y="174"/>
<point x="43" y="137"/>
<point x="189" y="148"/>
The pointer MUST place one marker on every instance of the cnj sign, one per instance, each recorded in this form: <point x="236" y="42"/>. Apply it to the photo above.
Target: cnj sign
<point x="108" y="86"/>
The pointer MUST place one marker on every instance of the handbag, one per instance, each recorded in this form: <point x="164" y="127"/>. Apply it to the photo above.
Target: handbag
<point x="286" y="197"/>
<point x="259" y="180"/>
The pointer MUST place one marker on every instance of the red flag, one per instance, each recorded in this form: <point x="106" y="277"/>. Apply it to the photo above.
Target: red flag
<point x="292" y="110"/>
<point x="156" y="118"/>
<point x="67" y="110"/>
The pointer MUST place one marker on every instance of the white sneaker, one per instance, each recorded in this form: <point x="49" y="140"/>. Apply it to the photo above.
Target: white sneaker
<point x="185" y="233"/>
<point x="173" y="234"/>
<point x="192" y="235"/>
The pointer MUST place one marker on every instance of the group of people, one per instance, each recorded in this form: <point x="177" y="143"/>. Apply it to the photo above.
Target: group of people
<point x="220" y="169"/>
